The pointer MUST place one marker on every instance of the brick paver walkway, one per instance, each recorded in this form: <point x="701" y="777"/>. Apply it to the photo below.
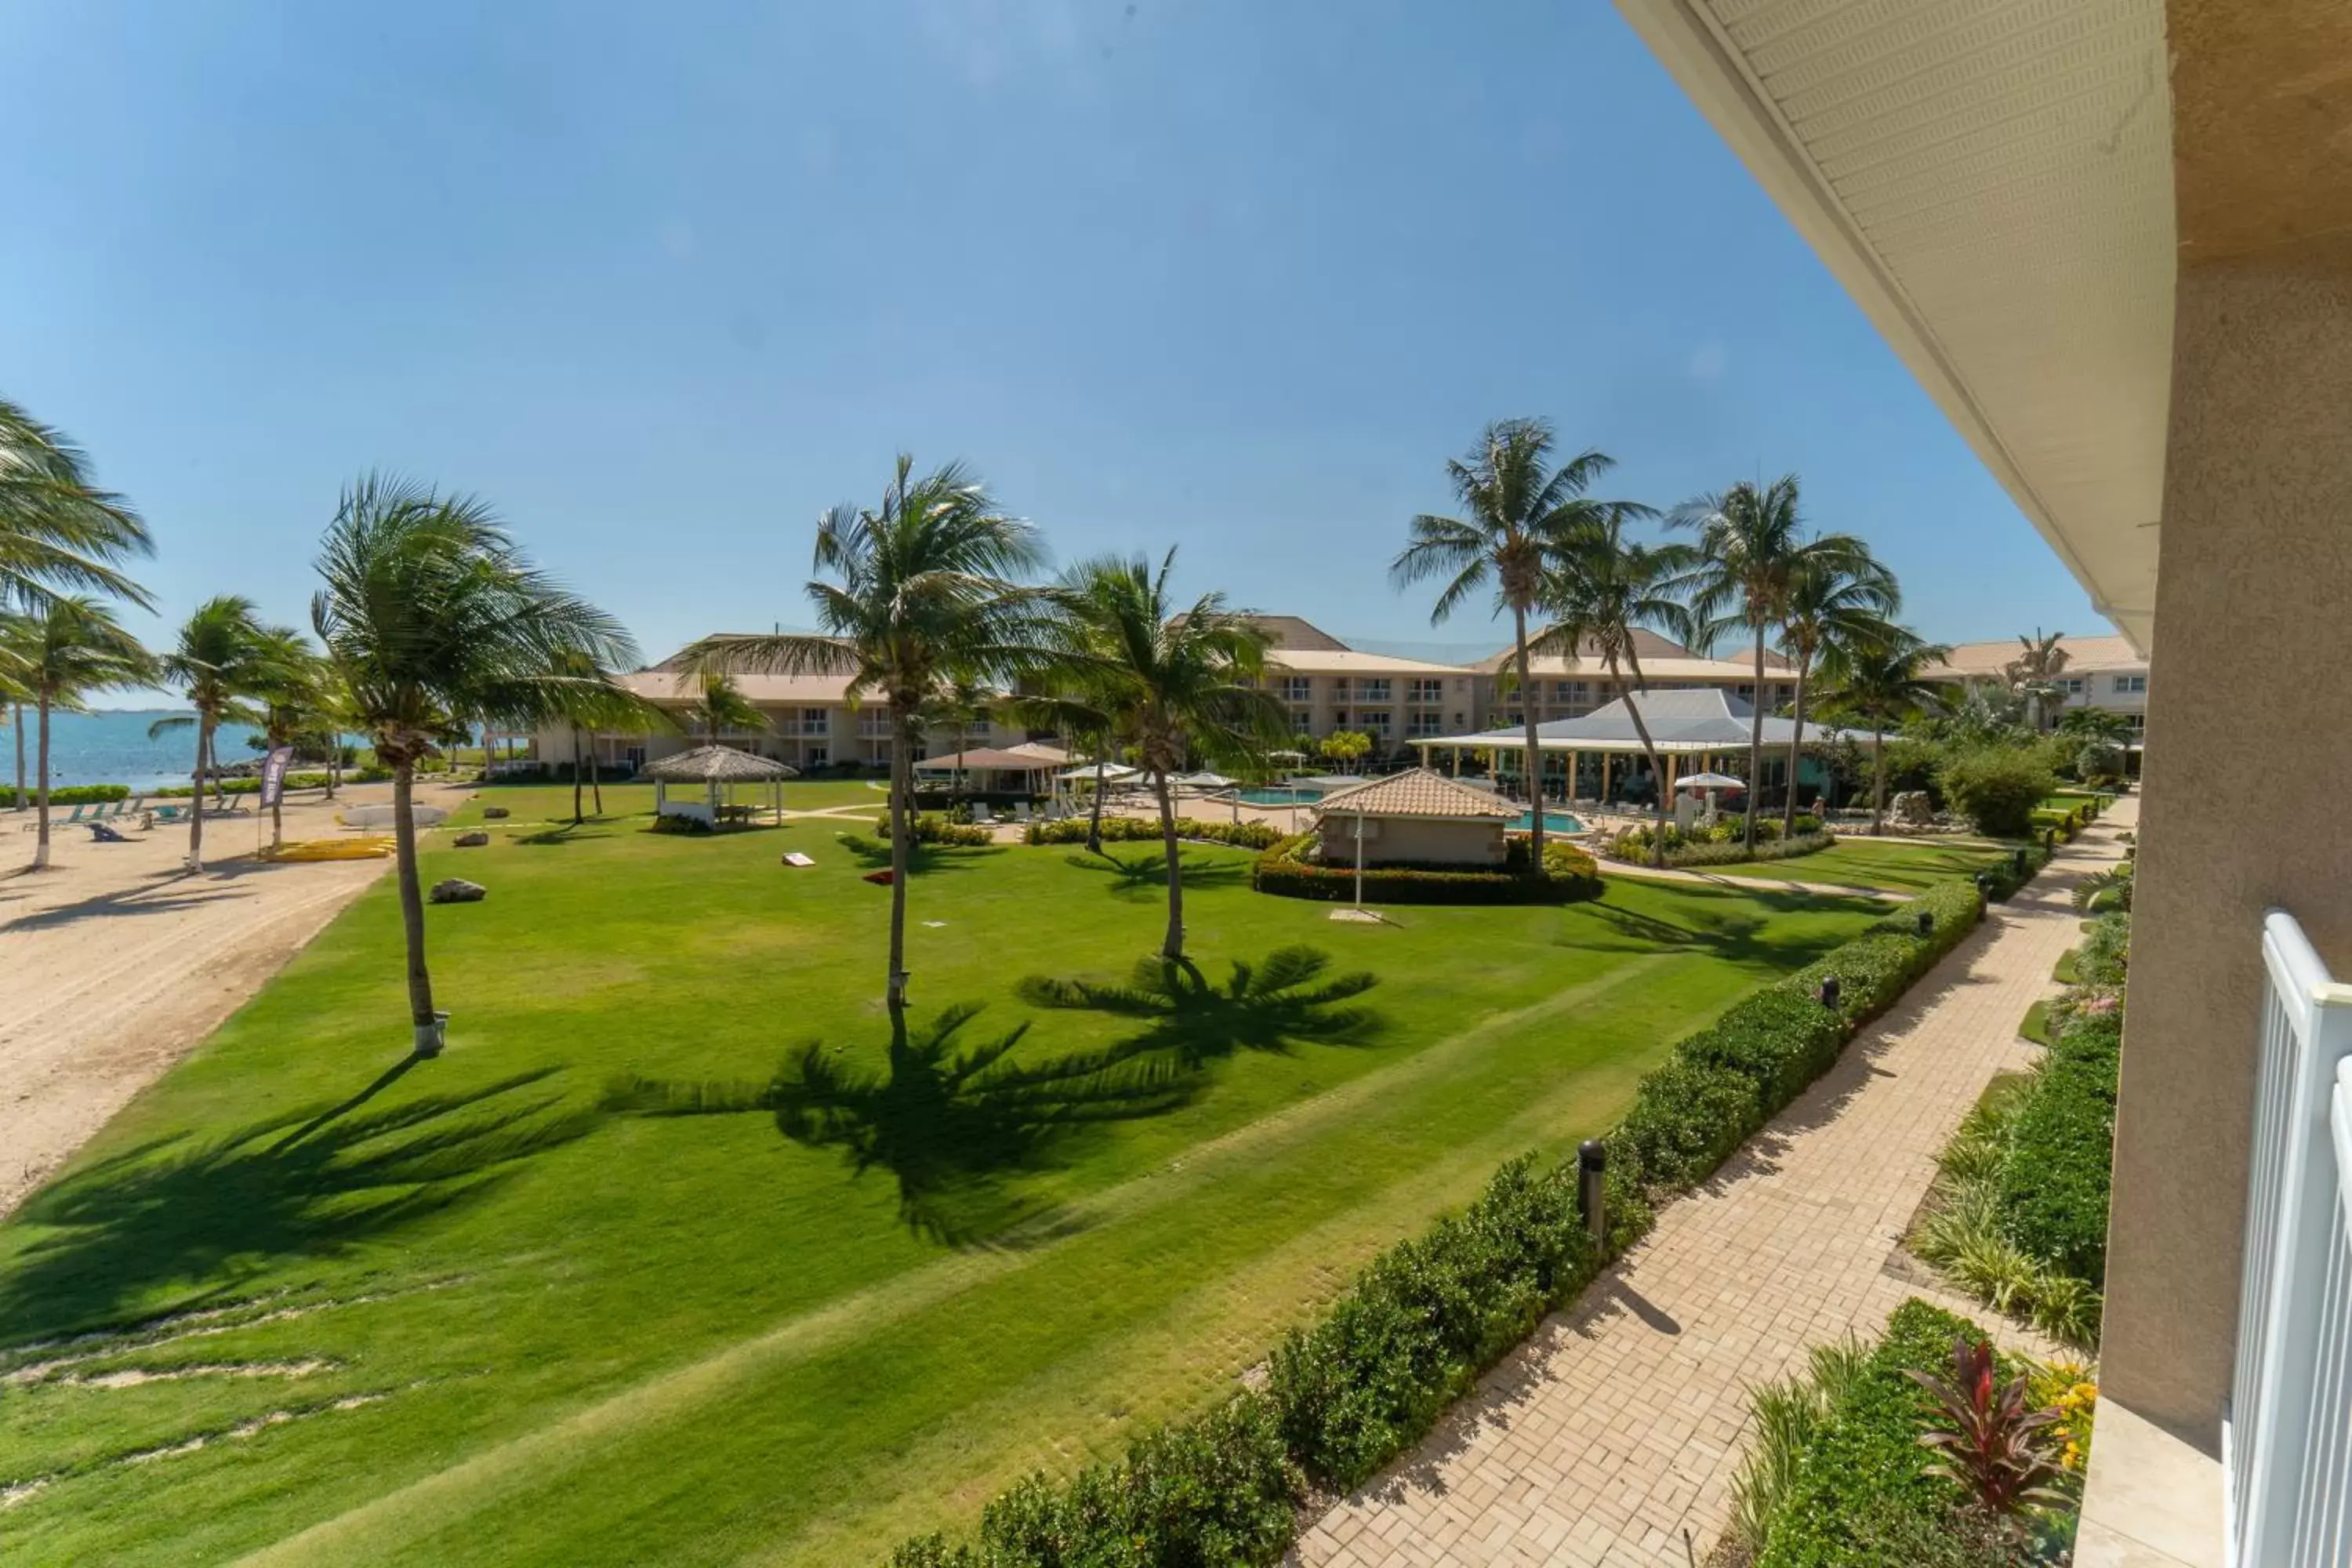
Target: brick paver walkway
<point x="1619" y="1425"/>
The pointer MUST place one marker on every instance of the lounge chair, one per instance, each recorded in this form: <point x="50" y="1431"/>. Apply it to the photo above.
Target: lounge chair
<point x="982" y="817"/>
<point x="169" y="812"/>
<point x="55" y="820"/>
<point x="1020" y="812"/>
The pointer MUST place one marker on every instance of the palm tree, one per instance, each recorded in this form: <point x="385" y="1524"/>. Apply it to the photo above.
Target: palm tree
<point x="1602" y="591"/>
<point x="15" y="693"/>
<point x="961" y="703"/>
<point x="2033" y="673"/>
<point x="59" y="532"/>
<point x="223" y="656"/>
<point x="1881" y="681"/>
<point x="1842" y="599"/>
<point x="723" y="706"/>
<point x="430" y="613"/>
<point x="1752" y="548"/>
<point x="1520" y="516"/>
<point x="293" y="704"/>
<point x="927" y="591"/>
<point x="1177" y="683"/>
<point x="2096" y="725"/>
<point x="69" y="648"/>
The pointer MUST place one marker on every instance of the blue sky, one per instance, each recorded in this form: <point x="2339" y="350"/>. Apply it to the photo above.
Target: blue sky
<point x="664" y="281"/>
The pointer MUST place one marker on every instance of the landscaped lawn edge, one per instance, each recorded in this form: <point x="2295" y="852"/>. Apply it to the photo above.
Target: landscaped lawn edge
<point x="1344" y="1395"/>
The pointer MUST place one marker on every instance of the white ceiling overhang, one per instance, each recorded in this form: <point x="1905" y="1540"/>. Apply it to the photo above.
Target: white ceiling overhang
<point x="1992" y="181"/>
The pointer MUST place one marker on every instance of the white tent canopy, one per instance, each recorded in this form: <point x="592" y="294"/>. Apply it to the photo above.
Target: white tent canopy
<point x="1109" y="773"/>
<point x="1709" y="781"/>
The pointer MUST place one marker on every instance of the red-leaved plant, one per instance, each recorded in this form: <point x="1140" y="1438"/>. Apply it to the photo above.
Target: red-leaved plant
<point x="1990" y="1443"/>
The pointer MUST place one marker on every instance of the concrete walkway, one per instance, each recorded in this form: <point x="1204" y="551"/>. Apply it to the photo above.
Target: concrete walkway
<point x="1619" y="1426"/>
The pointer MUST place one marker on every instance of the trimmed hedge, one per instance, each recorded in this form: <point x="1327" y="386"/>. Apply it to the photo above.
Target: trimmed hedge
<point x="1569" y="876"/>
<point x="1124" y="829"/>
<point x="67" y="795"/>
<point x="1633" y="846"/>
<point x="933" y="827"/>
<point x="2053" y="1185"/>
<point x="1997" y="787"/>
<point x="1347" y="1394"/>
<point x="1861" y="1485"/>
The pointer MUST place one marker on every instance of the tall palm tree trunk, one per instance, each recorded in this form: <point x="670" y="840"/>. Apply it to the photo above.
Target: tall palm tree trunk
<point x="41" y="841"/>
<point x="1094" y="819"/>
<point x="1535" y="755"/>
<point x="577" y="818"/>
<point x="1171" y="947"/>
<point x="1649" y="750"/>
<point x="425" y="1032"/>
<point x="1756" y="740"/>
<point x="902" y="831"/>
<point x="1796" y="744"/>
<point x="334" y="762"/>
<point x="595" y="777"/>
<point x="196" y="799"/>
<point x="278" y="811"/>
<point x="19" y="727"/>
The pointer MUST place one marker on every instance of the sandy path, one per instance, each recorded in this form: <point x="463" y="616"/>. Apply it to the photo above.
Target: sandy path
<point x="113" y="964"/>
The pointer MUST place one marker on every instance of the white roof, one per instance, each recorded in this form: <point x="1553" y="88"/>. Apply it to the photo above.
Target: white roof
<point x="1707" y="720"/>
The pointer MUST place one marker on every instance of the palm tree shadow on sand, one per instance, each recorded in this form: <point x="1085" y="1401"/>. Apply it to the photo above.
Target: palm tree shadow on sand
<point x="953" y="1122"/>
<point x="1274" y="1005"/>
<point x="310" y="1181"/>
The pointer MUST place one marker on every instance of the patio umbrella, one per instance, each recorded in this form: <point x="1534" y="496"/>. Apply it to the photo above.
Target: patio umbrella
<point x="1710" y="782"/>
<point x="1102" y="772"/>
<point x="1203" y="780"/>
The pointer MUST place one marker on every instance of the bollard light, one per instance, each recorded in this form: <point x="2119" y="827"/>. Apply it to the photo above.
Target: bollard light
<point x="2017" y="860"/>
<point x="1926" y="923"/>
<point x="1830" y="992"/>
<point x="1592" y="1162"/>
<point x="1984" y="883"/>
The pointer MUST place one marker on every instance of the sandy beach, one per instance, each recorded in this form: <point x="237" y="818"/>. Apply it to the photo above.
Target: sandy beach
<point x="114" y="963"/>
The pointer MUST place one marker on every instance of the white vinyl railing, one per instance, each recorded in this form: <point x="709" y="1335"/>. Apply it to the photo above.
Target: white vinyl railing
<point x="2287" y="1440"/>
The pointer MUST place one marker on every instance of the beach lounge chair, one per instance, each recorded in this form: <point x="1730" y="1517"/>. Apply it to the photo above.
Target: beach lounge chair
<point x="982" y="818"/>
<point x="169" y="812"/>
<point x="1020" y="812"/>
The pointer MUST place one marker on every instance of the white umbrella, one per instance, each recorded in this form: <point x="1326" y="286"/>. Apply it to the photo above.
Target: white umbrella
<point x="1102" y="772"/>
<point x="1203" y="780"/>
<point x="1710" y="781"/>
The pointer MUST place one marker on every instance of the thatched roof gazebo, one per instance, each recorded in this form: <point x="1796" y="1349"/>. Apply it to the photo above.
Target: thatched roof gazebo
<point x="719" y="769"/>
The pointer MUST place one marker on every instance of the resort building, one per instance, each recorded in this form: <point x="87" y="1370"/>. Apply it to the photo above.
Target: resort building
<point x="2113" y="240"/>
<point x="811" y="723"/>
<point x="1330" y="686"/>
<point x="2099" y="672"/>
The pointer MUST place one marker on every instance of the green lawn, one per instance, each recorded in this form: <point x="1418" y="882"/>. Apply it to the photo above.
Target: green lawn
<point x="552" y="802"/>
<point x="1860" y="862"/>
<point x="471" y="1312"/>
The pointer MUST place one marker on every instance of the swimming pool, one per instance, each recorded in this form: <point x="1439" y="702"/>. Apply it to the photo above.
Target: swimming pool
<point x="1279" y="794"/>
<point x="1554" y="822"/>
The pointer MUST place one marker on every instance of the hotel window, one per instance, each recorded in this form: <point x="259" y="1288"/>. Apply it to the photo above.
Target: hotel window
<point x="1571" y="690"/>
<point x="1515" y="719"/>
<point x="814" y="721"/>
<point x="2126" y="685"/>
<point x="1374" y="724"/>
<point x="1423" y="722"/>
<point x="1299" y="688"/>
<point x="816" y="757"/>
<point x="1372" y="690"/>
<point x="976" y="729"/>
<point x="1427" y="691"/>
<point x="874" y="723"/>
<point x="1299" y="720"/>
<point x="2072" y="686"/>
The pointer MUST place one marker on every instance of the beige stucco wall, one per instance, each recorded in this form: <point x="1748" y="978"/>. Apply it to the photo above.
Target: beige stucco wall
<point x="2252" y="611"/>
<point x="1405" y="838"/>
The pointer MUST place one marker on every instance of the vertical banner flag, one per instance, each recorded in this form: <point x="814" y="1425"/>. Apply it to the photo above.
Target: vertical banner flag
<point x="273" y="774"/>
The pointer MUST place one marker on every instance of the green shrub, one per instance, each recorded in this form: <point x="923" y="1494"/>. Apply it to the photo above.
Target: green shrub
<point x="1860" y="1476"/>
<point x="934" y="828"/>
<point x="248" y="786"/>
<point x="1720" y="845"/>
<point x="68" y="794"/>
<point x="1424" y="1319"/>
<point x="1570" y="876"/>
<point x="2053" y="1188"/>
<point x="1997" y="787"/>
<point x="1216" y="1492"/>
<point x="1123" y="829"/>
<point x="2104" y="955"/>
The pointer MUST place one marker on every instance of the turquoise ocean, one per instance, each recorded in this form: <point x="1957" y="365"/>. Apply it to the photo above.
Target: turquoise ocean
<point x="113" y="748"/>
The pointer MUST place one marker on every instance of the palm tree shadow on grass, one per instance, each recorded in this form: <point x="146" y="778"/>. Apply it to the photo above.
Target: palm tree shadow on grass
<point x="953" y="1123"/>
<point x="874" y="854"/>
<point x="1274" y="1005"/>
<point x="1741" y="934"/>
<point x="312" y="1182"/>
<point x="1140" y="873"/>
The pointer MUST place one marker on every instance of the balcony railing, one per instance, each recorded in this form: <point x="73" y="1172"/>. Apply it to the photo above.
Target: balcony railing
<point x="2286" y="1445"/>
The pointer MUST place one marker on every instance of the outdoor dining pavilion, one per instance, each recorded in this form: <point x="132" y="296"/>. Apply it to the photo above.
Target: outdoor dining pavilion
<point x="1598" y="756"/>
<point x="719" y="770"/>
